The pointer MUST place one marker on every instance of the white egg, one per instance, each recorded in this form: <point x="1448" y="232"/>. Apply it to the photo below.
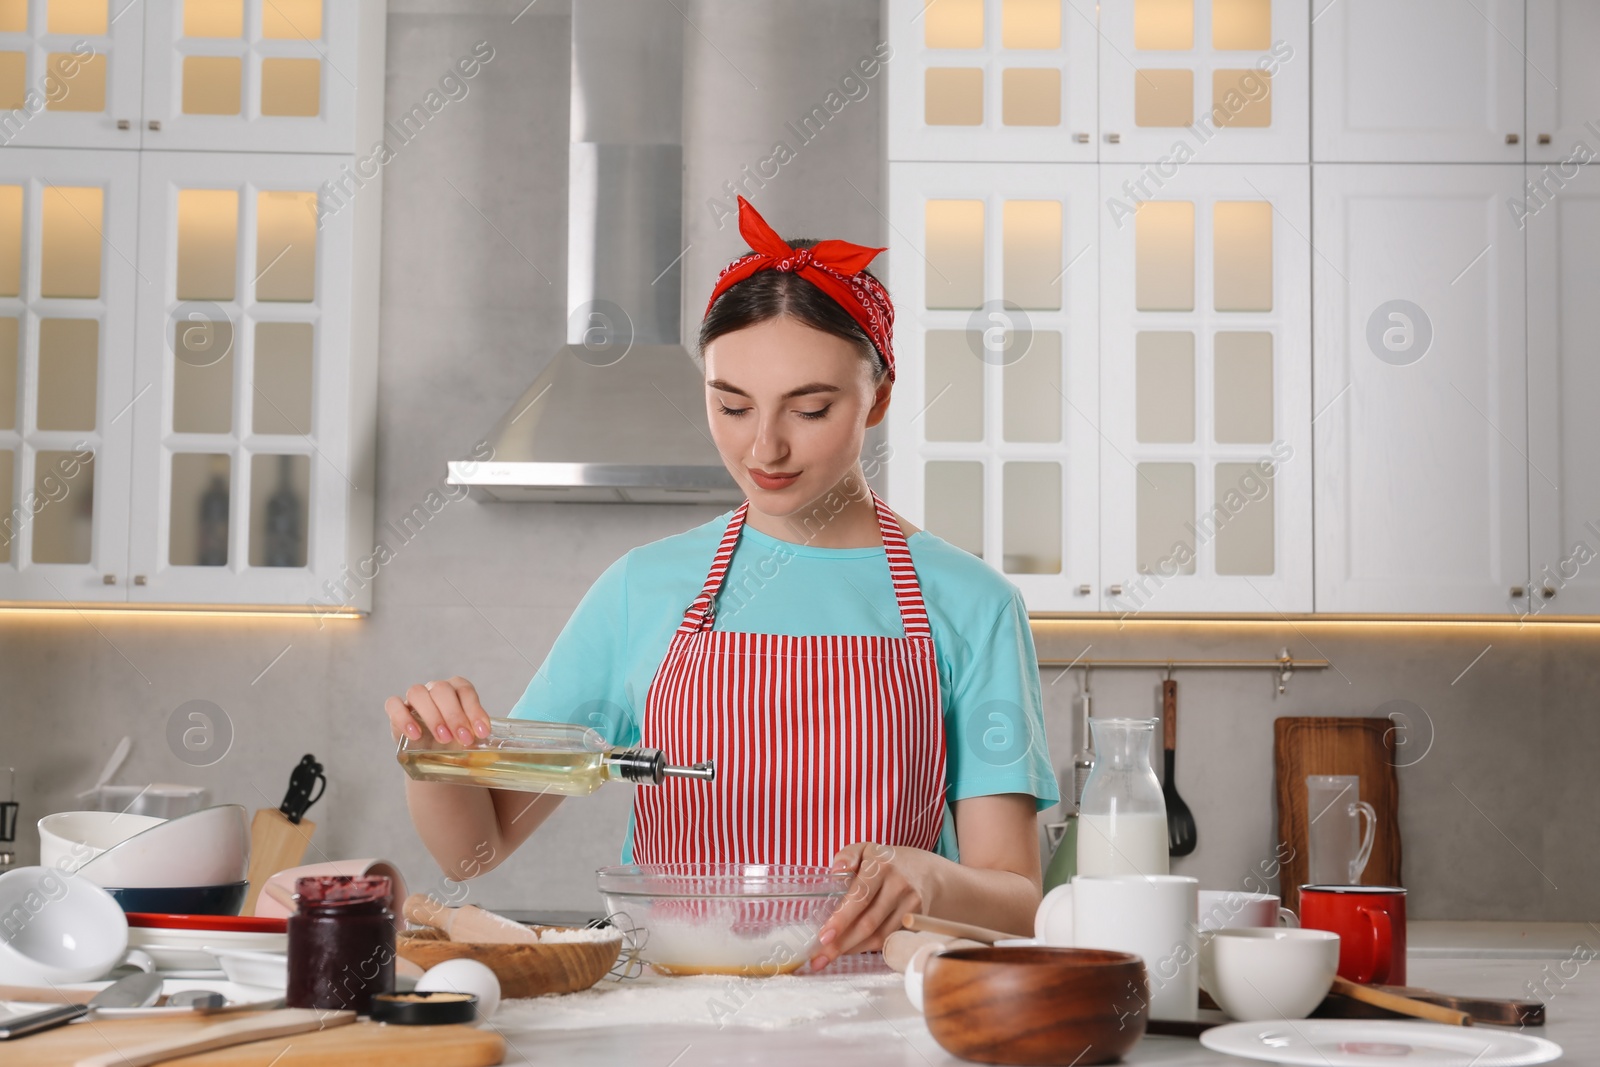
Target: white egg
<point x="464" y="976"/>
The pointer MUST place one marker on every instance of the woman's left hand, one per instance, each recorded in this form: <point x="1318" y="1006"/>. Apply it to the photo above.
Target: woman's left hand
<point x="889" y="883"/>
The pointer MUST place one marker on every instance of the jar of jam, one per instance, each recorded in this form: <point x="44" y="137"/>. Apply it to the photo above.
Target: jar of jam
<point x="341" y="943"/>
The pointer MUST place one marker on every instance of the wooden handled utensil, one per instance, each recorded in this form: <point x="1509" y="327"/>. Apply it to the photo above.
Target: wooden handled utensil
<point x="981" y="934"/>
<point x="470" y="923"/>
<point x="1181" y="832"/>
<point x="1417" y="1009"/>
<point x="221" y="1035"/>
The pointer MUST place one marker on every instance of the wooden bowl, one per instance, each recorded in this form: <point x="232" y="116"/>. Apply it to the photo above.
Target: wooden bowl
<point x="524" y="970"/>
<point x="1036" y="1005"/>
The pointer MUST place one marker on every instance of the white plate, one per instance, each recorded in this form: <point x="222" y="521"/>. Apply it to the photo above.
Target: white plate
<point x="1364" y="1043"/>
<point x="184" y="950"/>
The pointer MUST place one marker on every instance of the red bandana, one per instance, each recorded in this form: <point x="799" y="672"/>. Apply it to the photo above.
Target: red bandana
<point x="835" y="267"/>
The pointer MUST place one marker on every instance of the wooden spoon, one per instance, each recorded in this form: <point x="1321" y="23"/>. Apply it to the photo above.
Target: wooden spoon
<point x="1417" y="1009"/>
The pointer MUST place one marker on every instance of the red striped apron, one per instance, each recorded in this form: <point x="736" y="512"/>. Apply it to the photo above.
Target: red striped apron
<point x="820" y="742"/>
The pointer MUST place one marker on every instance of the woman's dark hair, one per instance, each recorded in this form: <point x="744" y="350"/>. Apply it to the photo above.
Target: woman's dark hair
<point x="772" y="294"/>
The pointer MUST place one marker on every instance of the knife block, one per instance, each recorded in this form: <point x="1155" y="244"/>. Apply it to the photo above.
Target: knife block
<point x="276" y="844"/>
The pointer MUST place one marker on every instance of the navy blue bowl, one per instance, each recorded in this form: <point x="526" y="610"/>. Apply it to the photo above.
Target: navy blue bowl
<point x="184" y="900"/>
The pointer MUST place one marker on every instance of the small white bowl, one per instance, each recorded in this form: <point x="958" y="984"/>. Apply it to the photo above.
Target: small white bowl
<point x="1260" y="973"/>
<point x="69" y="839"/>
<point x="269" y="970"/>
<point x="208" y="847"/>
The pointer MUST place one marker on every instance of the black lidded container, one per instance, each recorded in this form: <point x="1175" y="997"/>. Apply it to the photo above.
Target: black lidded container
<point x="341" y="943"/>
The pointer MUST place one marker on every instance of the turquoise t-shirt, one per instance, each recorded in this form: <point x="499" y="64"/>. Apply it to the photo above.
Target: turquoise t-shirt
<point x="599" y="670"/>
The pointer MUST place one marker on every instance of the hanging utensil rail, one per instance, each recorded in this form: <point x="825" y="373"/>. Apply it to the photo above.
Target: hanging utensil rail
<point x="1285" y="665"/>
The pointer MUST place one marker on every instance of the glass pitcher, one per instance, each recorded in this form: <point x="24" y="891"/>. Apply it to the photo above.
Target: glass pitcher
<point x="1338" y="845"/>
<point x="1122" y="821"/>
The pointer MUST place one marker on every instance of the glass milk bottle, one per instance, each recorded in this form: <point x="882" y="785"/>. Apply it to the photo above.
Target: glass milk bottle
<point x="1122" y="821"/>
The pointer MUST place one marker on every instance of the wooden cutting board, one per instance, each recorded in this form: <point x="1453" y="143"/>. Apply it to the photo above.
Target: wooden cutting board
<point x="360" y="1044"/>
<point x="1324" y="745"/>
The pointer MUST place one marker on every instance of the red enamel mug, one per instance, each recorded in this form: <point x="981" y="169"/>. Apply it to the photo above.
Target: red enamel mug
<point x="1371" y="923"/>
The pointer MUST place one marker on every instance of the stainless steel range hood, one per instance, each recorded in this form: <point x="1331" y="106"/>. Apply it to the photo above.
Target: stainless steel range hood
<point x="618" y="415"/>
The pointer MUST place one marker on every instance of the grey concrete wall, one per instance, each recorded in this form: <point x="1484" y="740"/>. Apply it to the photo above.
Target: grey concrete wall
<point x="1498" y="819"/>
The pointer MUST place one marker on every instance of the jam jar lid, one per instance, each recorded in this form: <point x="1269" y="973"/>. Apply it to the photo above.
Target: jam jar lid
<point x="342" y="890"/>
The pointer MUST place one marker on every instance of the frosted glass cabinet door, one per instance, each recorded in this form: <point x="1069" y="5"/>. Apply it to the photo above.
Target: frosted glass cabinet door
<point x="991" y="80"/>
<point x="242" y="454"/>
<point x="1421" y="425"/>
<point x="1421" y="81"/>
<point x="1205" y="467"/>
<point x="993" y="429"/>
<point x="1563" y="81"/>
<point x="68" y="231"/>
<point x="257" y="75"/>
<point x="1563" y="381"/>
<point x="70" y="73"/>
<point x="1214" y="81"/>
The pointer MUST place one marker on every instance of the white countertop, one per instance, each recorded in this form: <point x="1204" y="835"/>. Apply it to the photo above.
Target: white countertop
<point x="870" y="1021"/>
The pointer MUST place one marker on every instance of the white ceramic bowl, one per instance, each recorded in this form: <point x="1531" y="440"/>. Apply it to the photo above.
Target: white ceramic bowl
<point x="1258" y="973"/>
<point x="69" y="839"/>
<point x="269" y="970"/>
<point x="209" y="847"/>
<point x="57" y="929"/>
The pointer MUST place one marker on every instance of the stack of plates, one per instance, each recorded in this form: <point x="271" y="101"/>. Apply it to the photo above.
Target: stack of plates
<point x="180" y="943"/>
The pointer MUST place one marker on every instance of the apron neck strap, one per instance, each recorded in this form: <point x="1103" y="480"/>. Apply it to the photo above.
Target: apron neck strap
<point x="907" y="590"/>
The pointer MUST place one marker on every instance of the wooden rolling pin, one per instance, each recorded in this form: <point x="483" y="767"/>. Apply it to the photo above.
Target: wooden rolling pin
<point x="1417" y="1009"/>
<point x="470" y="923"/>
<point x="900" y="946"/>
<point x="950" y="928"/>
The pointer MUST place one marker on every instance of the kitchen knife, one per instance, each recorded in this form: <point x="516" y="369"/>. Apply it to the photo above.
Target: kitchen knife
<point x="134" y="991"/>
<point x="278" y="839"/>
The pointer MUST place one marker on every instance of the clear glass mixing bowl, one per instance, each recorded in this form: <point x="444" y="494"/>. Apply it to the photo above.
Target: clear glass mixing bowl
<point x="721" y="918"/>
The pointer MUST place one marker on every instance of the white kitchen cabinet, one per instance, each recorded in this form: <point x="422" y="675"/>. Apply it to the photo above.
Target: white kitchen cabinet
<point x="1563" y="231"/>
<point x="70" y="73"/>
<point x="1218" y="81"/>
<point x="258" y="75"/>
<point x="1563" y="81"/>
<point x="1205" y="464"/>
<point x="244" y="471"/>
<point x="994" y="432"/>
<point x="68" y="235"/>
<point x="1016" y="76"/>
<point x="1420" y="423"/>
<point x="1420" y="81"/>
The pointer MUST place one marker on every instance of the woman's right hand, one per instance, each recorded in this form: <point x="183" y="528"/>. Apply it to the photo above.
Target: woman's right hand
<point x="449" y="709"/>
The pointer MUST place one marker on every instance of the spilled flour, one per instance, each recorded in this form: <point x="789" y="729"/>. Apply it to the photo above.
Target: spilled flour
<point x="699" y="1000"/>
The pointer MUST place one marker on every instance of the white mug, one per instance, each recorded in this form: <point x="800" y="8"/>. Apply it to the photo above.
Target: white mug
<point x="57" y="928"/>
<point x="1154" y="916"/>
<point x="1229" y="909"/>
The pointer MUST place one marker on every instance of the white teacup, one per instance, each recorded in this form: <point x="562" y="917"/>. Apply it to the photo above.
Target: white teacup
<point x="1230" y="909"/>
<point x="1267" y="972"/>
<point x="57" y="928"/>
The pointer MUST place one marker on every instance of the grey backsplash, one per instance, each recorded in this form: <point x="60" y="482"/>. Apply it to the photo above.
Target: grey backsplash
<point x="1499" y="819"/>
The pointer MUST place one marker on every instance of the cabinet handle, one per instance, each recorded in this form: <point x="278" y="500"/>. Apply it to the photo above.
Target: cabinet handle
<point x="124" y="124"/>
<point x="1544" y="138"/>
<point x="1518" y="591"/>
<point x="154" y="124"/>
<point x="1115" y="590"/>
<point x="1548" y="591"/>
<point x="1085" y="589"/>
<point x="108" y="579"/>
<point x="139" y="579"/>
<point x="1081" y="138"/>
<point x="1512" y="138"/>
<point x="1113" y="138"/>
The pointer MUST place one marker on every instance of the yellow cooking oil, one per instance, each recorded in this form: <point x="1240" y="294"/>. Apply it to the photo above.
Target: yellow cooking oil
<point x="539" y="757"/>
<point x="574" y="774"/>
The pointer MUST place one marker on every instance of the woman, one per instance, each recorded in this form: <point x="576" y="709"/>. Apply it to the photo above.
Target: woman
<point x="868" y="692"/>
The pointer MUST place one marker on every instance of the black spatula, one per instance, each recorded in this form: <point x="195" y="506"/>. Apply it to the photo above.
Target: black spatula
<point x="1181" y="832"/>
